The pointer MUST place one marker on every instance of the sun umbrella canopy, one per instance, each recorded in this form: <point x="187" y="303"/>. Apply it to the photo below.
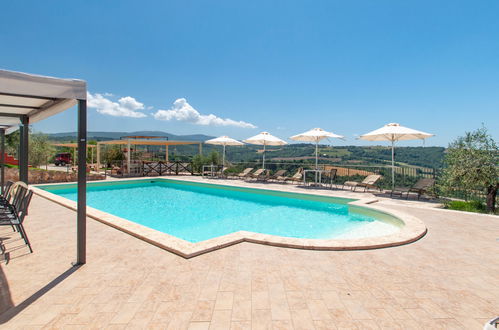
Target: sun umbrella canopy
<point x="265" y="139"/>
<point x="224" y="141"/>
<point x="315" y="135"/>
<point x="394" y="132"/>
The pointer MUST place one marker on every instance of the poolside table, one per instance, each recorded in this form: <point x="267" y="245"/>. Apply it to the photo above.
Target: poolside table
<point x="211" y="170"/>
<point x="318" y="174"/>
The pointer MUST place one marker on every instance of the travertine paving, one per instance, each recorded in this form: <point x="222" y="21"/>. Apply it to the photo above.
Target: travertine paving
<point x="449" y="279"/>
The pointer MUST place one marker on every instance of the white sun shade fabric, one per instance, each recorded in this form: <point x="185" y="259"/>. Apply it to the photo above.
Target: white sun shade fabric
<point x="394" y="132"/>
<point x="315" y="135"/>
<point x="224" y="141"/>
<point x="37" y="97"/>
<point x="265" y="139"/>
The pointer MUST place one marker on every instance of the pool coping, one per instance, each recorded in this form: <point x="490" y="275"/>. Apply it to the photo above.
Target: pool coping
<point x="413" y="228"/>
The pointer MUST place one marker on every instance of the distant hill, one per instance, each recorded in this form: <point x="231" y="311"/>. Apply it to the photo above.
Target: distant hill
<point x="354" y="155"/>
<point x="304" y="152"/>
<point x="103" y="136"/>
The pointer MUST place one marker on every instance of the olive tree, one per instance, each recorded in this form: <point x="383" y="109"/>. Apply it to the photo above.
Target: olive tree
<point x="40" y="149"/>
<point x="12" y="143"/>
<point x="199" y="160"/>
<point x="112" y="154"/>
<point x="472" y="163"/>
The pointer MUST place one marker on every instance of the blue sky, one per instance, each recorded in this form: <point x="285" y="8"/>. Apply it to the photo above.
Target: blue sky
<point x="282" y="66"/>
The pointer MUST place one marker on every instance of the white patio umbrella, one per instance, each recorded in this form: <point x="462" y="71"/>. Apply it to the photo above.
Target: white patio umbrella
<point x="265" y="139"/>
<point x="394" y="132"/>
<point x="224" y="141"/>
<point x="315" y="135"/>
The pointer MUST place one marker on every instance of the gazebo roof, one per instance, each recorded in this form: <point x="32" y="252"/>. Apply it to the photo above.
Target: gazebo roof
<point x="36" y="97"/>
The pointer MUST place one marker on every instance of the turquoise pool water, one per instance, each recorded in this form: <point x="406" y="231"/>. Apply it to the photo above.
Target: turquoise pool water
<point x="196" y="212"/>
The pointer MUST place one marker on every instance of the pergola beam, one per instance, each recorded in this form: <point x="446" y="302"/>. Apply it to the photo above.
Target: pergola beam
<point x="29" y="96"/>
<point x="19" y="106"/>
<point x="8" y="114"/>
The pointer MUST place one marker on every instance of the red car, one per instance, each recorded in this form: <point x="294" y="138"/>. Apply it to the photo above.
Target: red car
<point x="62" y="159"/>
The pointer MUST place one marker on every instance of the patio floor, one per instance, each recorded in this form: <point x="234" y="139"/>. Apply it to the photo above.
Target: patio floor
<point x="449" y="279"/>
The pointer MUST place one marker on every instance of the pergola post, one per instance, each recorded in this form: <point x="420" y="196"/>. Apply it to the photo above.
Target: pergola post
<point x="81" y="219"/>
<point x="2" y="158"/>
<point x="166" y="156"/>
<point x="200" y="148"/>
<point x="23" y="149"/>
<point x="128" y="157"/>
<point x="98" y="156"/>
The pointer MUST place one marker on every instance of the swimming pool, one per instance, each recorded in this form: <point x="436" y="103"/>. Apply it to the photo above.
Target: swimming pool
<point x="196" y="212"/>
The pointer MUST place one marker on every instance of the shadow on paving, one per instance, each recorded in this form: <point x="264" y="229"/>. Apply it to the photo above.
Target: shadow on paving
<point x="5" y="298"/>
<point x="7" y="308"/>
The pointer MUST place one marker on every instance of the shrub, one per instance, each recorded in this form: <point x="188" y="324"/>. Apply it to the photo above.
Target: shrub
<point x="470" y="206"/>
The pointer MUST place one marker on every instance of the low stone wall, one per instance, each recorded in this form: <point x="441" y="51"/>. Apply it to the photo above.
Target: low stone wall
<point x="36" y="176"/>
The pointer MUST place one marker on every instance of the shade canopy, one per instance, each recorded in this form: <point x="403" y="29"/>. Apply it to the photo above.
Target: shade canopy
<point x="224" y="141"/>
<point x="265" y="139"/>
<point x="315" y="135"/>
<point x="394" y="132"/>
<point x="36" y="97"/>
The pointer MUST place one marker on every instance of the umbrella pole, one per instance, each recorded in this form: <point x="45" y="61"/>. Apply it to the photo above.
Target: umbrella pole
<point x="393" y="165"/>
<point x="263" y="164"/>
<point x="223" y="161"/>
<point x="316" y="159"/>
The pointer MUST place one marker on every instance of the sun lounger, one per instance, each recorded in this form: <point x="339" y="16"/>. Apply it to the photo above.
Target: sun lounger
<point x="278" y="176"/>
<point x="297" y="177"/>
<point x="260" y="174"/>
<point x="244" y="173"/>
<point x="420" y="187"/>
<point x="368" y="182"/>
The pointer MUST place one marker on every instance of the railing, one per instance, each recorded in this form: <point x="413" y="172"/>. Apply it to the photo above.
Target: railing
<point x="405" y="176"/>
<point x="148" y="168"/>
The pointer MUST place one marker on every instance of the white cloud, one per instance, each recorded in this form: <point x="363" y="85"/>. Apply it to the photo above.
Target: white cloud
<point x="125" y="107"/>
<point x="183" y="111"/>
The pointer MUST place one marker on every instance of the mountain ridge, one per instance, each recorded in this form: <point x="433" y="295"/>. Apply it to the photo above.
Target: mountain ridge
<point x="100" y="135"/>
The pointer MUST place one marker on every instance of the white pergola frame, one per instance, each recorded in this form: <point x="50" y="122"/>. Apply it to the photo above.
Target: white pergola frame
<point x="26" y="99"/>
